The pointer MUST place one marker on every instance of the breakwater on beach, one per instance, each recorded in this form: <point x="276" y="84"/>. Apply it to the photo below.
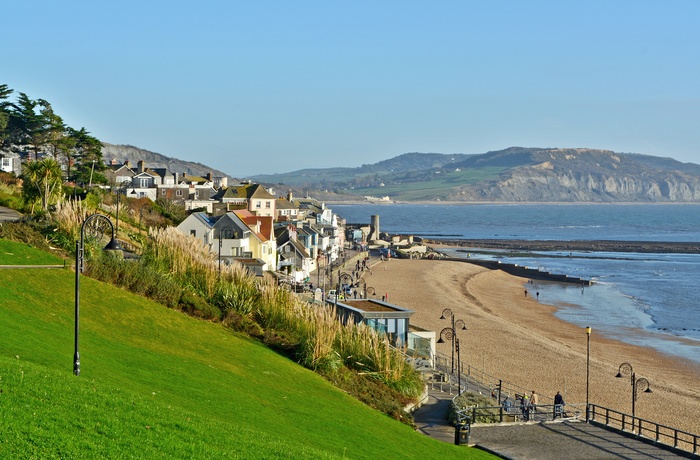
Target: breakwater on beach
<point x="524" y="272"/>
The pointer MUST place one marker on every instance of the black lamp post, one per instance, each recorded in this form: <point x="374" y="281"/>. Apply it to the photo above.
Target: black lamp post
<point x="588" y="369"/>
<point x="224" y="233"/>
<point x="451" y="333"/>
<point x="343" y="279"/>
<point x="96" y="226"/>
<point x="459" y="368"/>
<point x="638" y="384"/>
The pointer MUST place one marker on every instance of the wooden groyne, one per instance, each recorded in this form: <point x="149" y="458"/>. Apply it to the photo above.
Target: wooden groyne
<point x="524" y="272"/>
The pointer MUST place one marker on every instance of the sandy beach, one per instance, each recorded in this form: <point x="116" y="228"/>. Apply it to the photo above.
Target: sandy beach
<point x="518" y="339"/>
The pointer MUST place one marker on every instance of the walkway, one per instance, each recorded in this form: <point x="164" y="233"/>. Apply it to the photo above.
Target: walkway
<point x="554" y="440"/>
<point x="9" y="215"/>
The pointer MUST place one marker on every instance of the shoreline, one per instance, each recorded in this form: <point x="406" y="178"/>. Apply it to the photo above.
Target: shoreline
<point x="654" y="247"/>
<point x="519" y="339"/>
<point x="506" y="203"/>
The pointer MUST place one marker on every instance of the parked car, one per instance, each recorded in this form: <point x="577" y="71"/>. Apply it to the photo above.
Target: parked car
<point x="386" y="252"/>
<point x="331" y="296"/>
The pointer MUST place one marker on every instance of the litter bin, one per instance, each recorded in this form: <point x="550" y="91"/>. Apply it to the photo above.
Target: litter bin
<point x="462" y="433"/>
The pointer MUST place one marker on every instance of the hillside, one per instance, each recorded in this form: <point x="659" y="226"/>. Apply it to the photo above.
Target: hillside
<point x="156" y="383"/>
<point x="515" y="174"/>
<point x="122" y="153"/>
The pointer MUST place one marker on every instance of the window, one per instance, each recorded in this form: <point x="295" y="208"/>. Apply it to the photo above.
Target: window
<point x="144" y="183"/>
<point x="196" y="194"/>
<point x="257" y="205"/>
<point x="267" y="204"/>
<point x="162" y="191"/>
<point x="178" y="193"/>
<point x="193" y="232"/>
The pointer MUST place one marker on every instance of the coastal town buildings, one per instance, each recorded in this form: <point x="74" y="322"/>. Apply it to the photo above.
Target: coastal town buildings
<point x="244" y="222"/>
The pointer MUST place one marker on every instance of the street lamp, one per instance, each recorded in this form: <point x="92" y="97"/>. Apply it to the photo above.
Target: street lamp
<point x="224" y="233"/>
<point x="459" y="369"/>
<point x="588" y="368"/>
<point x="451" y="333"/>
<point x="638" y="384"/>
<point x="96" y="224"/>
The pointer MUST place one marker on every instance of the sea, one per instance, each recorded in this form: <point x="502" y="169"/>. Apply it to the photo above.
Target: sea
<point x="650" y="300"/>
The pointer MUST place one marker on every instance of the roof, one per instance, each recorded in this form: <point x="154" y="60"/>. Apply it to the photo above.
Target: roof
<point x="252" y="221"/>
<point x="244" y="192"/>
<point x="369" y="305"/>
<point x="283" y="203"/>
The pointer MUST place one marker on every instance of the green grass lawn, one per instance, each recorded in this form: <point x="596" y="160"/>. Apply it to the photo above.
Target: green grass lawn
<point x="156" y="383"/>
<point x="12" y="253"/>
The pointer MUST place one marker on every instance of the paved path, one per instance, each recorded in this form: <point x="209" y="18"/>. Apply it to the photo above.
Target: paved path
<point x="571" y="440"/>
<point x="9" y="215"/>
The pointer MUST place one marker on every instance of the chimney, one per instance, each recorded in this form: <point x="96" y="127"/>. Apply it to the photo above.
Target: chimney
<point x="289" y="194"/>
<point x="292" y="230"/>
<point x="209" y="176"/>
<point x="177" y="178"/>
<point x="140" y="167"/>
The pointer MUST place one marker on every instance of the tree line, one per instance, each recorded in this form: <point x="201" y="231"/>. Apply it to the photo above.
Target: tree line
<point x="31" y="128"/>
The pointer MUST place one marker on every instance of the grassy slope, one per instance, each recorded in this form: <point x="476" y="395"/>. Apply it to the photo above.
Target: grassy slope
<point x="12" y="253"/>
<point x="157" y="384"/>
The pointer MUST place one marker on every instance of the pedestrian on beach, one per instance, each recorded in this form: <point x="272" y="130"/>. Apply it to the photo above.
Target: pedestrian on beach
<point x="525" y="292"/>
<point x="538" y="295"/>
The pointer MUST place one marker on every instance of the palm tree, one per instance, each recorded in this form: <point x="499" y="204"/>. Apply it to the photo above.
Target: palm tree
<point x="42" y="182"/>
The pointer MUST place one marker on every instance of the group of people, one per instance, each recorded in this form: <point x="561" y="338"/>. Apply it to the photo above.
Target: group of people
<point x="528" y="405"/>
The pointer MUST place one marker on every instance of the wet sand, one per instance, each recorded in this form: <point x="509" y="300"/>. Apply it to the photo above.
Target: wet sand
<point x="518" y="339"/>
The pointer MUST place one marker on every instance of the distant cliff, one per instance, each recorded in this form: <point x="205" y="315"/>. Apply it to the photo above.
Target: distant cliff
<point x="516" y="174"/>
<point x="569" y="175"/>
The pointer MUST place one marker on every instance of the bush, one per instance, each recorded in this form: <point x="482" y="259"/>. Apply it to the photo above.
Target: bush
<point x="196" y="306"/>
<point x="242" y="323"/>
<point x="466" y="400"/>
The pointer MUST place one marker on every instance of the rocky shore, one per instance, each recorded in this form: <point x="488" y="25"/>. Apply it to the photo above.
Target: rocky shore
<point x="574" y="245"/>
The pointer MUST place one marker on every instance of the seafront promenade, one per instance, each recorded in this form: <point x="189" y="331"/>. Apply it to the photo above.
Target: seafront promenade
<point x="573" y="440"/>
<point x="496" y="312"/>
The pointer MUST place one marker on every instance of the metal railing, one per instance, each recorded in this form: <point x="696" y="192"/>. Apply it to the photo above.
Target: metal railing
<point x="642" y="428"/>
<point x="514" y="414"/>
<point x="477" y="381"/>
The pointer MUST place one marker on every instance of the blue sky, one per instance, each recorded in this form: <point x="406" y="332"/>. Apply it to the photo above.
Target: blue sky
<point x="269" y="87"/>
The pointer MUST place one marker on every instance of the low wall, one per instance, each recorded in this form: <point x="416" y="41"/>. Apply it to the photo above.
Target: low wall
<point x="524" y="272"/>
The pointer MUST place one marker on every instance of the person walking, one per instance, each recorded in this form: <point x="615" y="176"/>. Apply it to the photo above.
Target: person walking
<point x="534" y="400"/>
<point x="525" y="408"/>
<point x="558" y="405"/>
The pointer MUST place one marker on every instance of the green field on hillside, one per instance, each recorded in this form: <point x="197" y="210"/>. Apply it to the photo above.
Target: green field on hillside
<point x="439" y="187"/>
<point x="156" y="383"/>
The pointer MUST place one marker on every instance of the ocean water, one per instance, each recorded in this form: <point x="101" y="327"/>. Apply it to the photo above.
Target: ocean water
<point x="647" y="299"/>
